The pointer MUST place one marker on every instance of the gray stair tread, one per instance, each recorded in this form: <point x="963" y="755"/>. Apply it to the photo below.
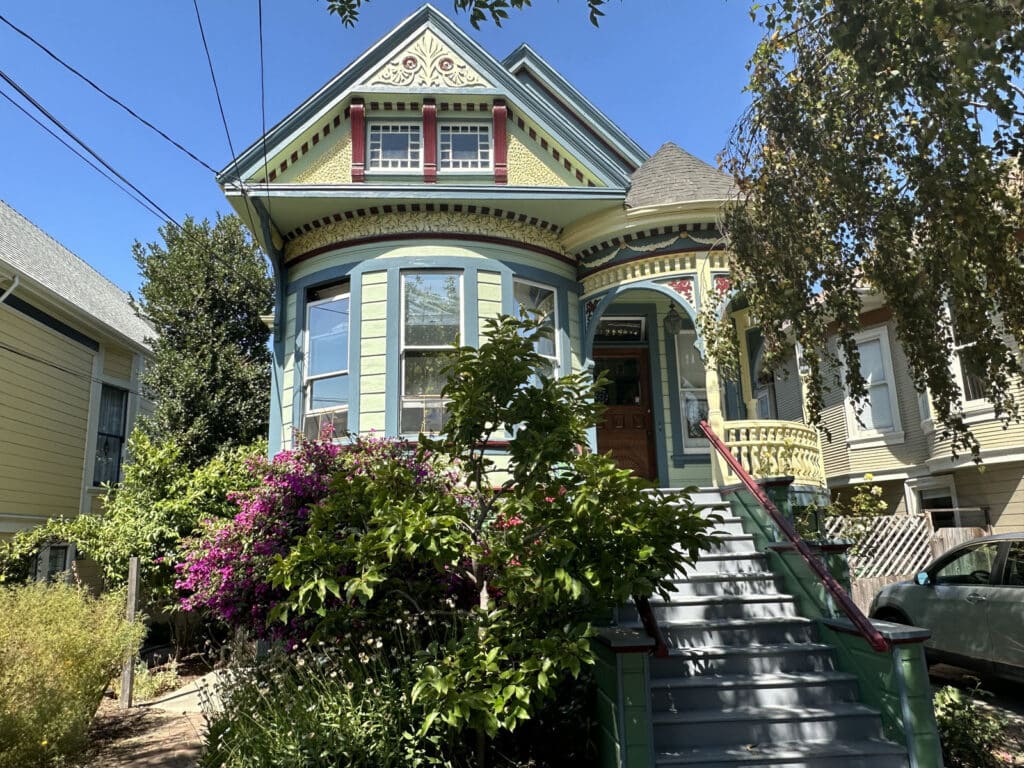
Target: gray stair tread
<point x="751" y="650"/>
<point x="764" y="714"/>
<point x="773" y="597"/>
<point x="713" y="577"/>
<point x="758" y="621"/>
<point x="795" y="750"/>
<point x="763" y="680"/>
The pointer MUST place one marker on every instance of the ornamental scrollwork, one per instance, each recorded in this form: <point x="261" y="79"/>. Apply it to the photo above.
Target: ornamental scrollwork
<point x="428" y="63"/>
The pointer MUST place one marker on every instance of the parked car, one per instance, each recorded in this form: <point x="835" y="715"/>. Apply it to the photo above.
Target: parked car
<point x="972" y="600"/>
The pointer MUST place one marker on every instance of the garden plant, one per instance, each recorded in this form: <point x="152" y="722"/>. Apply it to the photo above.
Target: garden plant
<point x="443" y="591"/>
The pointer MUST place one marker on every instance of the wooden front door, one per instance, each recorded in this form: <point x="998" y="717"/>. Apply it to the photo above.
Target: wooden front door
<point x="628" y="428"/>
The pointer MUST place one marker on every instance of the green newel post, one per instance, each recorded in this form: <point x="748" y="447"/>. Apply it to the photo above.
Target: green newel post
<point x="623" y="700"/>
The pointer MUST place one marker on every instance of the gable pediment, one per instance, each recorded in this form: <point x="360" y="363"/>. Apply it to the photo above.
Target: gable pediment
<point x="427" y="62"/>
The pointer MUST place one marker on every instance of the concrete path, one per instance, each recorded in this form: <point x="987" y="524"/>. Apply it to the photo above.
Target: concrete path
<point x="163" y="733"/>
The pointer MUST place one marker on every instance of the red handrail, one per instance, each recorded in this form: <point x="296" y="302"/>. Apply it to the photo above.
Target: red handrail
<point x="860" y="621"/>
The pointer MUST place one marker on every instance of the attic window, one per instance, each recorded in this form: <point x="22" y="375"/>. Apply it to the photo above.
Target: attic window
<point x="395" y="147"/>
<point x="465" y="146"/>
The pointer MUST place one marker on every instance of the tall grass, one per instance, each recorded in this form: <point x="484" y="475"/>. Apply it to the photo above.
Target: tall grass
<point x="59" y="647"/>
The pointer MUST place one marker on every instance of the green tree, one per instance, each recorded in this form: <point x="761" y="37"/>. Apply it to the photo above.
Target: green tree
<point x="479" y="10"/>
<point x="204" y="290"/>
<point x="880" y="154"/>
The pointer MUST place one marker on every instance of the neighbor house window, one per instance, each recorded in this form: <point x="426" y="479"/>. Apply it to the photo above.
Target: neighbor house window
<point x="693" y="393"/>
<point x="395" y="147"/>
<point x="431" y="324"/>
<point x="326" y="384"/>
<point x="464" y="147"/>
<point x="881" y="415"/>
<point x="110" y="434"/>
<point x="53" y="561"/>
<point x="537" y="302"/>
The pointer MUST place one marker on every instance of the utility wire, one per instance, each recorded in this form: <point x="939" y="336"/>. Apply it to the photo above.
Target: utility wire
<point x="224" y="119"/>
<point x="25" y="95"/>
<point x="59" y="367"/>
<point x="84" y="159"/>
<point x="114" y="99"/>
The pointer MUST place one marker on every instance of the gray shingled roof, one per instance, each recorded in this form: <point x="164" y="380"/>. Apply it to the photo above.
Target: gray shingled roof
<point x="32" y="253"/>
<point x="673" y="175"/>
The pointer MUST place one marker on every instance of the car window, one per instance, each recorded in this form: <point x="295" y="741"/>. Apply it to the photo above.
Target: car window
<point x="971" y="567"/>
<point x="1015" y="564"/>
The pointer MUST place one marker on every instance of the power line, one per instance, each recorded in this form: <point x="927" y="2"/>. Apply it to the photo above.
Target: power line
<point x="85" y="159"/>
<point x="223" y="116"/>
<point x="115" y="100"/>
<point x="25" y="95"/>
<point x="61" y="368"/>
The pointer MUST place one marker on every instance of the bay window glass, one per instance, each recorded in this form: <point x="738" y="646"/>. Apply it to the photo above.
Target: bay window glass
<point x="464" y="146"/>
<point x="878" y="412"/>
<point x="693" y="394"/>
<point x="326" y="384"/>
<point x="537" y="302"/>
<point x="395" y="147"/>
<point x="431" y="325"/>
<point x="110" y="435"/>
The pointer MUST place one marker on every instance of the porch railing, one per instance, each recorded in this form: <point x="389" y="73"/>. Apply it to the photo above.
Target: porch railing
<point x="861" y="623"/>
<point x="775" y="448"/>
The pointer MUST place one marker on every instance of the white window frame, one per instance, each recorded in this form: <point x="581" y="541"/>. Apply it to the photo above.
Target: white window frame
<point x="859" y="436"/>
<point x="380" y="165"/>
<point x="418" y="400"/>
<point x="477" y="166"/>
<point x="556" y="359"/>
<point x="343" y="291"/>
<point x="691" y="445"/>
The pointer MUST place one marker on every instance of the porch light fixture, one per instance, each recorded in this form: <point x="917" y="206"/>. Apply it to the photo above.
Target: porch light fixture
<point x="673" y="322"/>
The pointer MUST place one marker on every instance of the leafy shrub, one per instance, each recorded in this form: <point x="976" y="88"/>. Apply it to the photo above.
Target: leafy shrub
<point x="150" y="682"/>
<point x="59" y="648"/>
<point x="490" y="575"/>
<point x="318" y="708"/>
<point x="159" y="502"/>
<point x="968" y="732"/>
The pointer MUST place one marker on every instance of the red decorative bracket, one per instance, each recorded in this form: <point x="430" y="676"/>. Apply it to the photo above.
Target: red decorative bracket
<point x="500" y="115"/>
<point x="358" y="112"/>
<point x="429" y="141"/>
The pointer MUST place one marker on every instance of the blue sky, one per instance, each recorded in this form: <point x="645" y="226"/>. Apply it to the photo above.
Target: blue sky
<point x="664" y="70"/>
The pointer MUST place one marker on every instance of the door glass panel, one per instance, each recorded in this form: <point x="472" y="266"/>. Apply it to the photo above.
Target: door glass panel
<point x="971" y="567"/>
<point x="623" y="375"/>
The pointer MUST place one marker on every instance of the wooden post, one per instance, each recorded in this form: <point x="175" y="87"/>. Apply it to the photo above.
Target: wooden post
<point x="128" y="670"/>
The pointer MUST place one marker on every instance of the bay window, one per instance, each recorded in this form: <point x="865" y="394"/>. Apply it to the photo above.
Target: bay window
<point x="431" y="324"/>
<point x="538" y="303"/>
<point x="326" y="372"/>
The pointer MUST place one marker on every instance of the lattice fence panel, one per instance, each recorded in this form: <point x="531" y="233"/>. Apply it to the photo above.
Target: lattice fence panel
<point x="889" y="545"/>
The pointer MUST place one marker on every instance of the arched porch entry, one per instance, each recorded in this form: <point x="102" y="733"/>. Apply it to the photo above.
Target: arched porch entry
<point x="644" y="337"/>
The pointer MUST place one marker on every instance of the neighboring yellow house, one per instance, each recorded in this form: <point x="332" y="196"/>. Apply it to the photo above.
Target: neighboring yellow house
<point x="72" y="349"/>
<point x="898" y="442"/>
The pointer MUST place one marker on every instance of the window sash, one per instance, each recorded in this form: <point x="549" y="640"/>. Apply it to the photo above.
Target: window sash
<point x="433" y="299"/>
<point x="328" y="336"/>
<point x="385" y="147"/>
<point x="540" y="303"/>
<point x="110" y="435"/>
<point x="880" y="415"/>
<point x="457" y="153"/>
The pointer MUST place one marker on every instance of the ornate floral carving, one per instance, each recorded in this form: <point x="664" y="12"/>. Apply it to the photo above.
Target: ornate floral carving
<point x="427" y="63"/>
<point x="591" y="308"/>
<point x="723" y="284"/>
<point x="412" y="224"/>
<point x="683" y="286"/>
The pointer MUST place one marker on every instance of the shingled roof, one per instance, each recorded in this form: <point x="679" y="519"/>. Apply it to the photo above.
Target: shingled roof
<point x="33" y="254"/>
<point x="673" y="175"/>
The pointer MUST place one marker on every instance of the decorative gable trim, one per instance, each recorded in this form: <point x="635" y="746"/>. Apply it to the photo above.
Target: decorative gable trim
<point x="607" y="167"/>
<point x="427" y="62"/>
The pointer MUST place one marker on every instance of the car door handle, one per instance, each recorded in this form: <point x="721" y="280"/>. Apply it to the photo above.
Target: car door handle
<point x="974" y="597"/>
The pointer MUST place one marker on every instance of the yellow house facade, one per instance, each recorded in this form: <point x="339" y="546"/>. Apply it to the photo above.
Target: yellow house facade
<point x="73" y="349"/>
